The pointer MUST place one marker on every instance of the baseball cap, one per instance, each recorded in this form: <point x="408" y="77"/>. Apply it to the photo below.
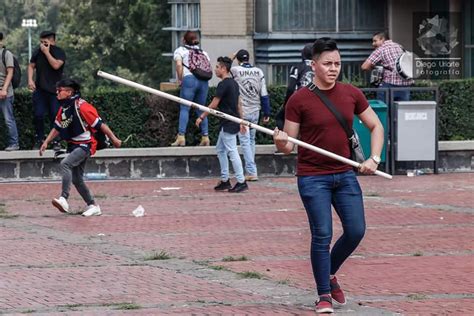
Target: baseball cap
<point x="242" y="55"/>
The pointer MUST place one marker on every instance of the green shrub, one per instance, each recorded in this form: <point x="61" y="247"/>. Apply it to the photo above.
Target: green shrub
<point x="146" y="120"/>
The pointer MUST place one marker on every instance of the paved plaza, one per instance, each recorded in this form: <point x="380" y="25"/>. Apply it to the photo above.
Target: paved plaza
<point x="205" y="253"/>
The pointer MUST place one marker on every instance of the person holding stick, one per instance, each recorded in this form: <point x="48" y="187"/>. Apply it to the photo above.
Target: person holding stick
<point x="228" y="101"/>
<point x="75" y="122"/>
<point x="323" y="181"/>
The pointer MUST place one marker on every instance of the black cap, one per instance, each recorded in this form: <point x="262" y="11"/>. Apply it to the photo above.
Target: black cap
<point x="69" y="83"/>
<point x="242" y="55"/>
<point x="47" y="34"/>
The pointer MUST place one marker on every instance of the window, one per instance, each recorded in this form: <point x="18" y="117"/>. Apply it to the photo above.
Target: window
<point x="185" y="15"/>
<point x="361" y="15"/>
<point x="328" y="15"/>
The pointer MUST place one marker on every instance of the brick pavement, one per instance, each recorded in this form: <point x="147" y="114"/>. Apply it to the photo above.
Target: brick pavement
<point x="416" y="258"/>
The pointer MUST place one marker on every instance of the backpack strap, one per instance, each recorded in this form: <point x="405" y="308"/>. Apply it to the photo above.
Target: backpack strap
<point x="349" y="132"/>
<point x="4" y="53"/>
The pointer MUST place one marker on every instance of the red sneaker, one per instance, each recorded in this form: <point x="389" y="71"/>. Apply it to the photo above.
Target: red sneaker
<point x="324" y="305"/>
<point x="336" y="292"/>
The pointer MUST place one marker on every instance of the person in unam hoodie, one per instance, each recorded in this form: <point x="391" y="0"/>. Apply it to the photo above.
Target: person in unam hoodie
<point x="75" y="122"/>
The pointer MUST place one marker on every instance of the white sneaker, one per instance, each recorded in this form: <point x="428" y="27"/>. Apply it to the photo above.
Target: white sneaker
<point x="61" y="204"/>
<point x="92" y="210"/>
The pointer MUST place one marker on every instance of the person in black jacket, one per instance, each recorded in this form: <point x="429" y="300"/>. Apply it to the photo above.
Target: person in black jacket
<point x="300" y="76"/>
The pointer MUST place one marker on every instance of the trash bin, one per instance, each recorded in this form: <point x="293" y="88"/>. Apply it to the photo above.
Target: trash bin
<point x="415" y="138"/>
<point x="380" y="108"/>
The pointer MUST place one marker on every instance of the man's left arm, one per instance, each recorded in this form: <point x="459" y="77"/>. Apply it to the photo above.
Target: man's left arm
<point x="56" y="63"/>
<point x="372" y="122"/>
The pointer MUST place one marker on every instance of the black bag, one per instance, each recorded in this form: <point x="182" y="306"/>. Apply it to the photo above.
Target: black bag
<point x="357" y="153"/>
<point x="16" y="79"/>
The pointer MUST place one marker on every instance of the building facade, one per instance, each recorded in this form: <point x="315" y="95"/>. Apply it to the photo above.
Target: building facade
<point x="274" y="31"/>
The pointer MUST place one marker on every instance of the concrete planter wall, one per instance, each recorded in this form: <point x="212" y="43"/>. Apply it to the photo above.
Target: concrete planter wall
<point x="196" y="162"/>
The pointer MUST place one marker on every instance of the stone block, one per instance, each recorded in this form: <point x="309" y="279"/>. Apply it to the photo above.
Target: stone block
<point x="7" y="170"/>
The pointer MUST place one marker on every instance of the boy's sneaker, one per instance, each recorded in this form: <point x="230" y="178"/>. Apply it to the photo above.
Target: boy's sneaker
<point x="239" y="187"/>
<point x="324" y="305"/>
<point x="251" y="178"/>
<point x="336" y="292"/>
<point x="12" y="147"/>
<point x="61" y="204"/>
<point x="92" y="210"/>
<point x="223" y="186"/>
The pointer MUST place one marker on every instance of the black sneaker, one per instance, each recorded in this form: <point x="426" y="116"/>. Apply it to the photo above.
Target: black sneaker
<point x="56" y="146"/>
<point x="239" y="187"/>
<point x="223" y="186"/>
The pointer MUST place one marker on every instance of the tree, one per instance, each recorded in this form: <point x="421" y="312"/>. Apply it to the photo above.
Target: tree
<point x="124" y="37"/>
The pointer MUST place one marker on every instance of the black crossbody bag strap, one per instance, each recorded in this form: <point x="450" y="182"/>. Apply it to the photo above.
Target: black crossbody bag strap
<point x="312" y="87"/>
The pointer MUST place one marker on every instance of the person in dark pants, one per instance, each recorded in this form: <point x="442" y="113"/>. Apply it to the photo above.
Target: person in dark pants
<point x="48" y="60"/>
<point x="228" y="101"/>
<point x="75" y="123"/>
<point x="322" y="181"/>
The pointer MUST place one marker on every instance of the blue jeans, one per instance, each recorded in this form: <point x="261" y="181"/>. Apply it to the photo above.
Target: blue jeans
<point x="7" y="110"/>
<point x="43" y="102"/>
<point x="194" y="90"/>
<point x="227" y="147"/>
<point x="397" y="95"/>
<point x="318" y="193"/>
<point x="247" y="143"/>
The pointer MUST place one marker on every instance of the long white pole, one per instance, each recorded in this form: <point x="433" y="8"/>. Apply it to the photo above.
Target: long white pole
<point x="233" y="119"/>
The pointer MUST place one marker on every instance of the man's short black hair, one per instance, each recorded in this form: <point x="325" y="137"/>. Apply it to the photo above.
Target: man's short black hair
<point x="226" y="61"/>
<point x="1" y="36"/>
<point x="382" y="34"/>
<point x="69" y="83"/>
<point x="47" y="34"/>
<point x="324" y="44"/>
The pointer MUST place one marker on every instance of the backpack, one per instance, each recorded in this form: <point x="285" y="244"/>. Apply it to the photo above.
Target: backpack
<point x="199" y="64"/>
<point x="16" y="79"/>
<point x="103" y="140"/>
<point x="305" y="77"/>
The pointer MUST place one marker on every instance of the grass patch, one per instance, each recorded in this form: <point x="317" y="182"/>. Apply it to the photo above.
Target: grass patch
<point x="4" y="214"/>
<point x="284" y="282"/>
<point x="373" y="194"/>
<point x="219" y="268"/>
<point x="127" y="306"/>
<point x="230" y="258"/>
<point x="418" y="254"/>
<point x="417" y="296"/>
<point x="250" y="275"/>
<point x="202" y="262"/>
<point x="123" y="306"/>
<point x="100" y="196"/>
<point x="162" y="255"/>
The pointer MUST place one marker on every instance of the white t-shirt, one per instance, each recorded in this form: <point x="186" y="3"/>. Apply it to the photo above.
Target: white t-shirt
<point x="182" y="53"/>
<point x="252" y="86"/>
